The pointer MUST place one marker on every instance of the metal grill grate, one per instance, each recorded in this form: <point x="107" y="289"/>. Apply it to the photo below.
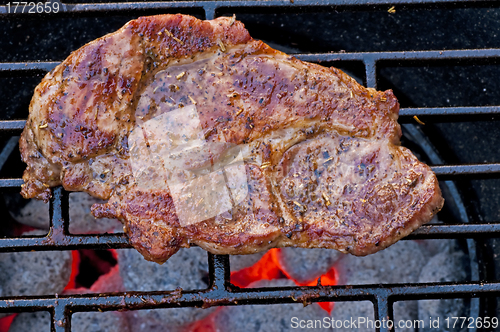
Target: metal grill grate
<point x="220" y="291"/>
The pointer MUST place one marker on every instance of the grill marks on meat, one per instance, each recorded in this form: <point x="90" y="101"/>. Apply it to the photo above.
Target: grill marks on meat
<point x="320" y="153"/>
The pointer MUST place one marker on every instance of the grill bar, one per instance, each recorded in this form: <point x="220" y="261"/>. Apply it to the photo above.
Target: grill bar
<point x="470" y="169"/>
<point x="383" y="309"/>
<point x="60" y="319"/>
<point x="452" y="111"/>
<point x="216" y="296"/>
<point x="382" y="296"/>
<point x="369" y="59"/>
<point x="57" y="241"/>
<point x="27" y="66"/>
<point x="491" y="53"/>
<point x="18" y="125"/>
<point x="442" y="171"/>
<point x="221" y="292"/>
<point x="11" y="183"/>
<point x="439" y="231"/>
<point x="210" y="7"/>
<point x="58" y="237"/>
<point x="67" y="242"/>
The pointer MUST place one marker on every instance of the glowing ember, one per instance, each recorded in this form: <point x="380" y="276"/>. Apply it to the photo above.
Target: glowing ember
<point x="75" y="263"/>
<point x="269" y="268"/>
<point x="5" y="322"/>
<point x="206" y="324"/>
<point x="108" y="279"/>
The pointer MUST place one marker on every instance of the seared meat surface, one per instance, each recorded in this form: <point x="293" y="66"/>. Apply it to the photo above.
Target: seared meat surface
<point x="197" y="133"/>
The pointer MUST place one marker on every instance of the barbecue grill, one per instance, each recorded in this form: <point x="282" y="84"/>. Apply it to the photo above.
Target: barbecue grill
<point x="375" y="65"/>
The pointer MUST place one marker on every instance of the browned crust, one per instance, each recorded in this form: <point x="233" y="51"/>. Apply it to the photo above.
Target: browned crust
<point x="81" y="109"/>
<point x="82" y="112"/>
<point x="380" y="230"/>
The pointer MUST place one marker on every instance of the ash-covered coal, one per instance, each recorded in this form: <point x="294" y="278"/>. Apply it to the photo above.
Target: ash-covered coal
<point x="34" y="273"/>
<point x="265" y="318"/>
<point x="188" y="269"/>
<point x="344" y="311"/>
<point x="304" y="265"/>
<point x="400" y="263"/>
<point x="405" y="262"/>
<point x="447" y="265"/>
<point x="80" y="322"/>
<point x="238" y="262"/>
<point x="35" y="213"/>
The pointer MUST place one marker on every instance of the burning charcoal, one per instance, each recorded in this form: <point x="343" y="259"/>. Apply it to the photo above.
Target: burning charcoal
<point x="81" y="221"/>
<point x="446" y="266"/>
<point x="80" y="322"/>
<point x="405" y="311"/>
<point x="400" y="263"/>
<point x="111" y="321"/>
<point x="360" y="312"/>
<point x="109" y="282"/>
<point x="33" y="212"/>
<point x="36" y="214"/>
<point x="188" y="269"/>
<point x="34" y="273"/>
<point x="38" y="321"/>
<point x="165" y="320"/>
<point x="239" y="262"/>
<point x="264" y="318"/>
<point x="307" y="264"/>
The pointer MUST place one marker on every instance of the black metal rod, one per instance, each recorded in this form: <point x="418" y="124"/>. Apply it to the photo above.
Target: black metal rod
<point x="451" y="111"/>
<point x="219" y="271"/>
<point x="18" y="125"/>
<point x="321" y="57"/>
<point x="402" y="56"/>
<point x="28" y="66"/>
<point x="106" y="241"/>
<point x="221" y="292"/>
<point x="59" y="212"/>
<point x="471" y="169"/>
<point x="371" y="72"/>
<point x="60" y="321"/>
<point x="210" y="297"/>
<point x="383" y="311"/>
<point x="455" y="231"/>
<point x="11" y="183"/>
<point x="440" y="170"/>
<point x="67" y="242"/>
<point x="212" y="6"/>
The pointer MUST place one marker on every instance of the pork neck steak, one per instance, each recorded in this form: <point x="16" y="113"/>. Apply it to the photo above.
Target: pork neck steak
<point x="196" y="133"/>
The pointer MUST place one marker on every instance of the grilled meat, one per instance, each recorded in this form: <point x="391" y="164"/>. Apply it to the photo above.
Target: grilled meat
<point x="197" y="133"/>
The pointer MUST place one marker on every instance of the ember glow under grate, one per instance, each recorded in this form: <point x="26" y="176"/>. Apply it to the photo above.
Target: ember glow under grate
<point x="220" y="290"/>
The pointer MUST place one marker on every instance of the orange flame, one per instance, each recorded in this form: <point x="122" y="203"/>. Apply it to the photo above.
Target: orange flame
<point x="269" y="268"/>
